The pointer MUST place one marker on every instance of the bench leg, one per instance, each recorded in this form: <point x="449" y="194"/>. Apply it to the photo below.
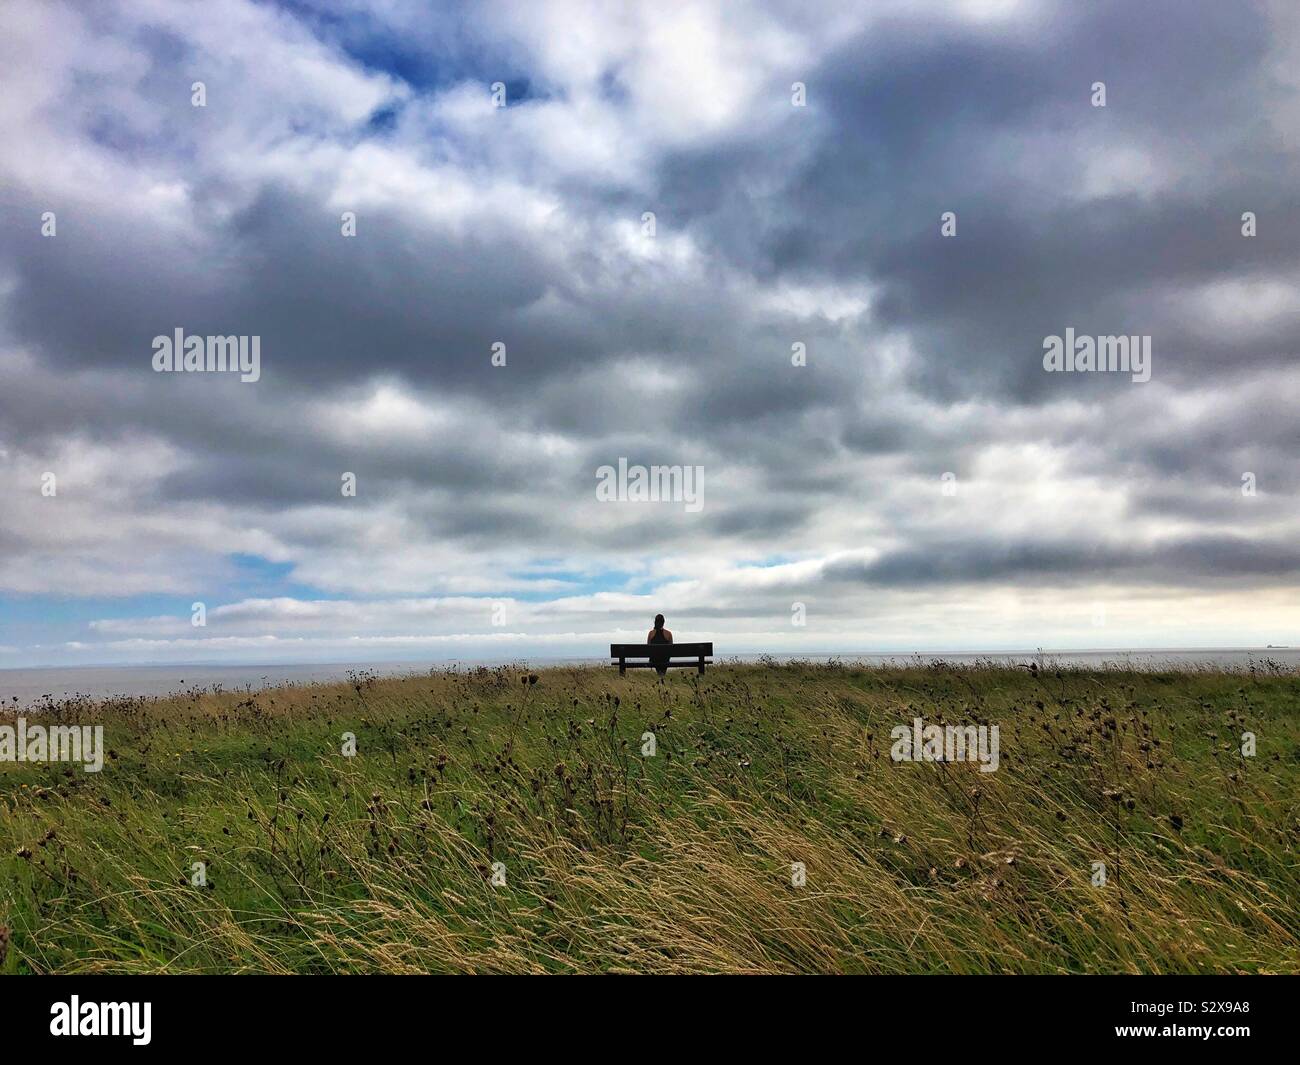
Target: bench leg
<point x="701" y="665"/>
<point x="622" y="667"/>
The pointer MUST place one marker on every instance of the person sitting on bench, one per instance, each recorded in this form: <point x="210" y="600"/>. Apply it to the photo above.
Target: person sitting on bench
<point x="660" y="652"/>
<point x="659" y="635"/>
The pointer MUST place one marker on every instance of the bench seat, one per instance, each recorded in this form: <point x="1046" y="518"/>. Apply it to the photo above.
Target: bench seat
<point x="661" y="655"/>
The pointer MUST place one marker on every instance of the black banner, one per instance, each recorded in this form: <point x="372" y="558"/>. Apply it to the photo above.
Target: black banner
<point x="149" y="1013"/>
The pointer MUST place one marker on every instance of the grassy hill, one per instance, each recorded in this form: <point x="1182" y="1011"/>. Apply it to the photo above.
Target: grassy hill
<point x="682" y="861"/>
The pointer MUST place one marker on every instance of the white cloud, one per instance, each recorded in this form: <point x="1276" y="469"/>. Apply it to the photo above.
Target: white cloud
<point x="478" y="484"/>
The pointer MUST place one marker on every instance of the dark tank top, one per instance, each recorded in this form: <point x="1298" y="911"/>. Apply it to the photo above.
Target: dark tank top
<point x="659" y="659"/>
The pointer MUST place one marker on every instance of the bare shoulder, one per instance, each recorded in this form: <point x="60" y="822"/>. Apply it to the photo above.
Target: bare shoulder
<point x="668" y="636"/>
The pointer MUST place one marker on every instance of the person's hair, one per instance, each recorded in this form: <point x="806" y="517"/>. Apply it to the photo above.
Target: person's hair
<point x="659" y="623"/>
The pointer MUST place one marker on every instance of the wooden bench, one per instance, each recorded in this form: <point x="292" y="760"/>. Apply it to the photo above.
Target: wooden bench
<point x="661" y="655"/>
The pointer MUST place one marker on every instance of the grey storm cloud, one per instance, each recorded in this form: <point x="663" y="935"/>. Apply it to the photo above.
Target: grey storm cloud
<point x="1223" y="558"/>
<point x="775" y="225"/>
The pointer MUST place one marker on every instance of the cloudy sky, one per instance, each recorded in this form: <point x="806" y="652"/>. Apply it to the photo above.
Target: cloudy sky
<point x="922" y="482"/>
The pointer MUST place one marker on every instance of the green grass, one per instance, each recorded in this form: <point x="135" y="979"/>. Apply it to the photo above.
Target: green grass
<point x="679" y="862"/>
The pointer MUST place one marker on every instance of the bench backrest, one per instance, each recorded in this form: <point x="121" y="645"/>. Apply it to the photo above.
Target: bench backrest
<point x="660" y="650"/>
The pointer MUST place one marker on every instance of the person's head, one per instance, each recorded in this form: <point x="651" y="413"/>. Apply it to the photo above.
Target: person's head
<point x="659" y="621"/>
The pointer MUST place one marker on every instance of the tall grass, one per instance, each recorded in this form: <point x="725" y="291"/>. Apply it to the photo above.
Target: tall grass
<point x="680" y="862"/>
